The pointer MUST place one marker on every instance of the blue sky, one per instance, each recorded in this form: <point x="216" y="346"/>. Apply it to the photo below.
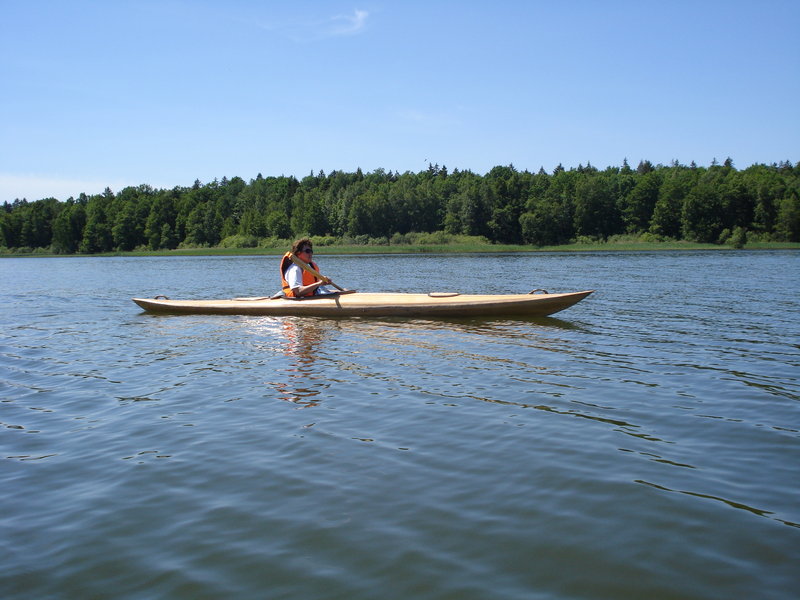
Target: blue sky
<point x="166" y="92"/>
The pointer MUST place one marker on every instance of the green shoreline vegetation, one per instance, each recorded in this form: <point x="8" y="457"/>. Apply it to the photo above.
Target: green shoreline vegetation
<point x="652" y="207"/>
<point x="458" y="246"/>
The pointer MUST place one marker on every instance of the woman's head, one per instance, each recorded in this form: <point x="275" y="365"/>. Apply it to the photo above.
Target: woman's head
<point x="302" y="245"/>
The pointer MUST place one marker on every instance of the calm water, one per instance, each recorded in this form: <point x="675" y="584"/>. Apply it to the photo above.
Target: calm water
<point x="643" y="444"/>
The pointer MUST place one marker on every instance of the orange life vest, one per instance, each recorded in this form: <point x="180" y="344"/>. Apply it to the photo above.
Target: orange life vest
<point x="308" y="278"/>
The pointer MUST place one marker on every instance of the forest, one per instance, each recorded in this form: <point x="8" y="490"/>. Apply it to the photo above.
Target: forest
<point x="714" y="204"/>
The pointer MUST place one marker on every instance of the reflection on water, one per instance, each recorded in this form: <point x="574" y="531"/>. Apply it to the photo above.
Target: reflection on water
<point x="299" y="381"/>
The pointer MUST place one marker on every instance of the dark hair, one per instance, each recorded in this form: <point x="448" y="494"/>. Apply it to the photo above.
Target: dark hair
<point x="300" y="243"/>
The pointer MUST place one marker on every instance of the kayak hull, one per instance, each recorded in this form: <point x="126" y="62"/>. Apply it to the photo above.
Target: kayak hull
<point x="375" y="305"/>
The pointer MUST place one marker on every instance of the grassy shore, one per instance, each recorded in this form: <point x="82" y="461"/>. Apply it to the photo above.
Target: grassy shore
<point x="456" y="247"/>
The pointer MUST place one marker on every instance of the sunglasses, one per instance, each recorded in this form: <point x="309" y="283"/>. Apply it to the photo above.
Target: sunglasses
<point x="309" y="250"/>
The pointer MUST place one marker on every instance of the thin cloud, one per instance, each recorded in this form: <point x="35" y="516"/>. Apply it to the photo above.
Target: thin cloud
<point x="320" y="29"/>
<point x="14" y="186"/>
<point x="349" y="24"/>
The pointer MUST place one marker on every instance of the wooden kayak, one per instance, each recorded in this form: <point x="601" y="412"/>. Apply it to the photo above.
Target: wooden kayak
<point x="375" y="305"/>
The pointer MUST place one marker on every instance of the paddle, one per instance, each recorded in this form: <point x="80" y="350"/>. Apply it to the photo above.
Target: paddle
<point x="306" y="267"/>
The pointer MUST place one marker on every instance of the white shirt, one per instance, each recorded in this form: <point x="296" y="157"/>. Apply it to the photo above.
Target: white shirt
<point x="294" y="276"/>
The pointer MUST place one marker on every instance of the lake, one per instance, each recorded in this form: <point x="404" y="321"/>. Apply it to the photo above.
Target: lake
<point x="644" y="443"/>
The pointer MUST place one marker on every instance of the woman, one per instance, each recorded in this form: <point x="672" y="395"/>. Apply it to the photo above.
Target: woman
<point x="296" y="281"/>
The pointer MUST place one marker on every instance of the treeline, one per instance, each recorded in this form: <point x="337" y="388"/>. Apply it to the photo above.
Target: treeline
<point x="716" y="204"/>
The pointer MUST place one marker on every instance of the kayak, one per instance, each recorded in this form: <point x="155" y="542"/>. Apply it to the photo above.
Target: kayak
<point x="357" y="304"/>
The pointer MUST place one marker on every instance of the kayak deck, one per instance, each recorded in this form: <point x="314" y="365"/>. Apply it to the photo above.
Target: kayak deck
<point x="375" y="305"/>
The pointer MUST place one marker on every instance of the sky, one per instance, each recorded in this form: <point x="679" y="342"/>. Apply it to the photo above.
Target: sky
<point x="97" y="94"/>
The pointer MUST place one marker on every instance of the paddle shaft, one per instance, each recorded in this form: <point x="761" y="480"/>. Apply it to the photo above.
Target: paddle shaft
<point x="306" y="267"/>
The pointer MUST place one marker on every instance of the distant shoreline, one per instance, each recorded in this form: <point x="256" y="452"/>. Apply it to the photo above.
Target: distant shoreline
<point x="454" y="248"/>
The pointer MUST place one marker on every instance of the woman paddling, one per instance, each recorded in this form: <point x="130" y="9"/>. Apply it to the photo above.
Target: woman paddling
<point x="296" y="281"/>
